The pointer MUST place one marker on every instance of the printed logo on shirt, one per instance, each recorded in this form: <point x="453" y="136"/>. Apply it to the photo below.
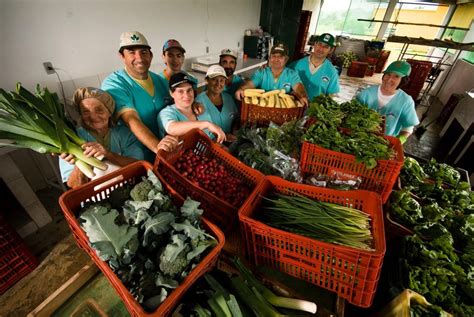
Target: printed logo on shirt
<point x="287" y="87"/>
<point x="325" y="79"/>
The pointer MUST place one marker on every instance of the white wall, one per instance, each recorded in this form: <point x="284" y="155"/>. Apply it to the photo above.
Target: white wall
<point x="80" y="37"/>
<point x="460" y="80"/>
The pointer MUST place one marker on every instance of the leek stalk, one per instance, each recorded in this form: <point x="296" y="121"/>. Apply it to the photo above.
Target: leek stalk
<point x="37" y="122"/>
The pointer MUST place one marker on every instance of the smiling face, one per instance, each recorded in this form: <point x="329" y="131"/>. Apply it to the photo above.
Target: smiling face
<point x="277" y="61"/>
<point x="94" y="115"/>
<point x="216" y="85"/>
<point x="137" y="61"/>
<point x="229" y="63"/>
<point x="183" y="95"/>
<point x="321" y="50"/>
<point x="390" y="82"/>
<point x="174" y="59"/>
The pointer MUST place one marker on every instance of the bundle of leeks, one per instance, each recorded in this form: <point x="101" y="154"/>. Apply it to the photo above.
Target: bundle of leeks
<point x="37" y="122"/>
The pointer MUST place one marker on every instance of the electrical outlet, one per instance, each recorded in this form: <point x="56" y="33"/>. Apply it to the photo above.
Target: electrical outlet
<point x="48" y="67"/>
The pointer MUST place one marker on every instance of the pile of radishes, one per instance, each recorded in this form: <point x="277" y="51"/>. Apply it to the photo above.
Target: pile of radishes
<point x="213" y="176"/>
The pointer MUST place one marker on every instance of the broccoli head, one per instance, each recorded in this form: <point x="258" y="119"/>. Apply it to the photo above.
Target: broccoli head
<point x="140" y="191"/>
<point x="178" y="266"/>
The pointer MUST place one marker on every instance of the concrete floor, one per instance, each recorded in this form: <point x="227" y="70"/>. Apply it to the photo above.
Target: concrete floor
<point x="60" y="258"/>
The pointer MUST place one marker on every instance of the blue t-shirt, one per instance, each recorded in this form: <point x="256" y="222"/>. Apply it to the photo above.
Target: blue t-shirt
<point x="227" y="114"/>
<point x="324" y="81"/>
<point x="399" y="112"/>
<point x="122" y="142"/>
<point x="128" y="94"/>
<point x="171" y="113"/>
<point x="263" y="78"/>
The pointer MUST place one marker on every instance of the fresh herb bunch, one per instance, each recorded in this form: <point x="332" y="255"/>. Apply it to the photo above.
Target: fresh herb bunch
<point x="360" y="117"/>
<point x="367" y="147"/>
<point x="347" y="58"/>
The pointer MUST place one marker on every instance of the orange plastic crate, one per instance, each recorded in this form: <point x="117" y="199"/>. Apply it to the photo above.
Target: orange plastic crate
<point x="216" y="209"/>
<point x="351" y="273"/>
<point x="315" y="159"/>
<point x="73" y="200"/>
<point x="16" y="260"/>
<point x="262" y="116"/>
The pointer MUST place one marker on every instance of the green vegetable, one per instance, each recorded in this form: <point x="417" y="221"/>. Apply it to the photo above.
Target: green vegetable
<point x="405" y="208"/>
<point x="360" y="117"/>
<point x="260" y="290"/>
<point x="412" y="174"/>
<point x="109" y="239"/>
<point x="38" y="123"/>
<point x="149" y="244"/>
<point x="318" y="220"/>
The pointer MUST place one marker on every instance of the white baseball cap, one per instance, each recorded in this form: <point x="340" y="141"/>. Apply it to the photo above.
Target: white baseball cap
<point x="228" y="52"/>
<point x="133" y="38"/>
<point x="215" y="71"/>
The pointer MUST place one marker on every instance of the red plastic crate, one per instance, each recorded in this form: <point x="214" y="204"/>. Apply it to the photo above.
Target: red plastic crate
<point x="351" y="273"/>
<point x="16" y="260"/>
<point x="262" y="116"/>
<point x="315" y="159"/>
<point x="357" y="69"/>
<point x="215" y="209"/>
<point x="73" y="200"/>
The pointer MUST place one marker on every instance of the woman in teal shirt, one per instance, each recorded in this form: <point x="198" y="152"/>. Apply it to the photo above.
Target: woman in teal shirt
<point x="115" y="143"/>
<point x="397" y="106"/>
<point x="185" y="114"/>
<point x="220" y="105"/>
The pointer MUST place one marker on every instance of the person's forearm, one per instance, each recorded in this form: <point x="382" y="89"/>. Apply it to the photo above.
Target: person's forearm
<point x="76" y="178"/>
<point x="117" y="159"/>
<point x="299" y="91"/>
<point x="141" y="131"/>
<point x="179" y="128"/>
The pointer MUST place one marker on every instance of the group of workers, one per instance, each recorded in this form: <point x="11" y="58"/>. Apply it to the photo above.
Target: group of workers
<point x="137" y="112"/>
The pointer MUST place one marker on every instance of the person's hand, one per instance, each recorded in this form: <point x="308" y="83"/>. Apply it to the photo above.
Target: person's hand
<point x="217" y="131"/>
<point x="198" y="108"/>
<point x="68" y="158"/>
<point x="230" y="137"/>
<point x="94" y="149"/>
<point x="168" y="144"/>
<point x="239" y="94"/>
<point x="304" y="101"/>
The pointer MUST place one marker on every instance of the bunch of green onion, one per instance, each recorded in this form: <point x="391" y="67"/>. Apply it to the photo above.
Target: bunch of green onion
<point x="38" y="122"/>
<point x="318" y="220"/>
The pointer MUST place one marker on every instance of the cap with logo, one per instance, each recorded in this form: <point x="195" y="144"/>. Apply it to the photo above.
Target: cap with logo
<point x="279" y="48"/>
<point x="216" y="71"/>
<point x="169" y="44"/>
<point x="326" y="38"/>
<point x="180" y="78"/>
<point x="133" y="38"/>
<point x="400" y="68"/>
<point x="228" y="52"/>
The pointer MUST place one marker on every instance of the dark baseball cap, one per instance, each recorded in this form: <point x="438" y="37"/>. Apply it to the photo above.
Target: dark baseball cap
<point x="279" y="48"/>
<point x="180" y="78"/>
<point x="173" y="44"/>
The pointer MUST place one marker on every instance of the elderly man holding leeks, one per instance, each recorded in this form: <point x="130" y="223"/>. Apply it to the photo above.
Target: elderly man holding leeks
<point x="115" y="144"/>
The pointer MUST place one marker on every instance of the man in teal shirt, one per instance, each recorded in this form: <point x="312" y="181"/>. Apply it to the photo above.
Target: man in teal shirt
<point x="318" y="74"/>
<point x="139" y="93"/>
<point x="276" y="76"/>
<point x="173" y="57"/>
<point x="228" y="60"/>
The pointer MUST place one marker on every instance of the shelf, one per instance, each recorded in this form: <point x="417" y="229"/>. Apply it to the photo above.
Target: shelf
<point x="435" y="43"/>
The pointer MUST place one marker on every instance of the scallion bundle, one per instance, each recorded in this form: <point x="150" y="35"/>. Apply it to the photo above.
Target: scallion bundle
<point x="318" y="220"/>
